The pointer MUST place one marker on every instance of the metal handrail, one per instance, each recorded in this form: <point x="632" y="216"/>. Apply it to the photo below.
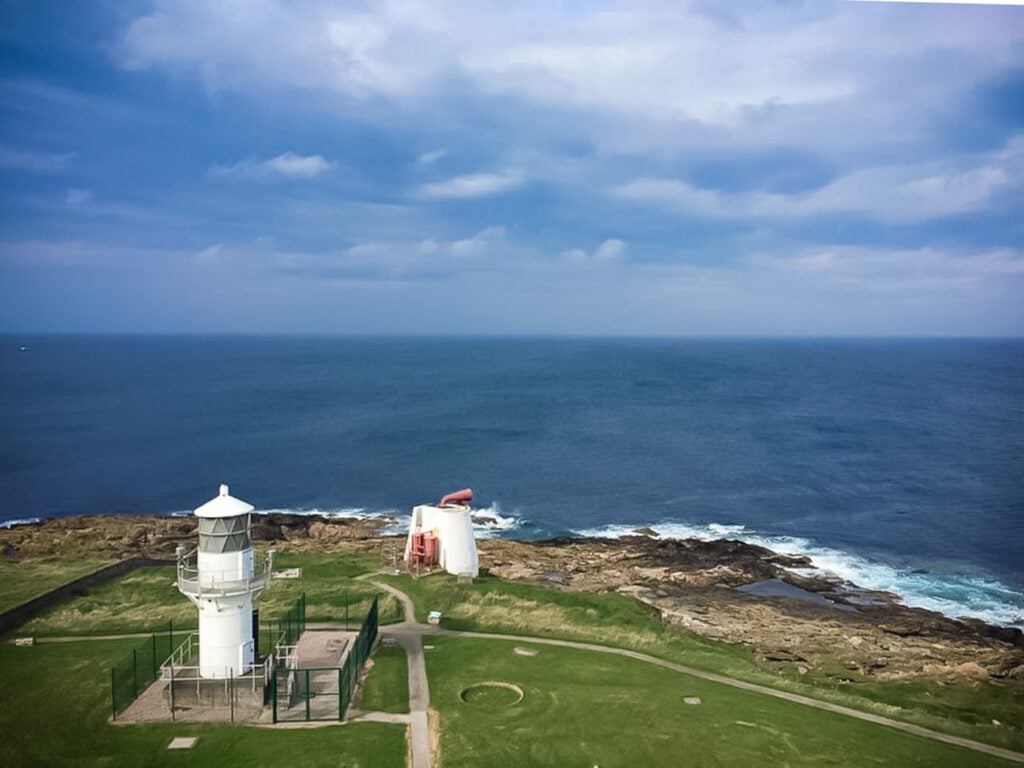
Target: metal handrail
<point x="205" y="583"/>
<point x="180" y="655"/>
<point x="260" y="670"/>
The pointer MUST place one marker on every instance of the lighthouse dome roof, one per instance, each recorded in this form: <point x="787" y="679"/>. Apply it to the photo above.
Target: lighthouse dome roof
<point x="224" y="505"/>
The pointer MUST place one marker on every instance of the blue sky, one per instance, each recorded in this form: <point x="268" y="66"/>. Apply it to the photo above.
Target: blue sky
<point x="691" y="168"/>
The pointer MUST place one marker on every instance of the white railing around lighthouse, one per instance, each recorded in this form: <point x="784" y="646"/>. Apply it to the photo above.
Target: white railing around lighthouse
<point x="206" y="583"/>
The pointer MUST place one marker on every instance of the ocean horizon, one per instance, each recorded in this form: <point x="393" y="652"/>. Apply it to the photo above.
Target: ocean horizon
<point x="892" y="462"/>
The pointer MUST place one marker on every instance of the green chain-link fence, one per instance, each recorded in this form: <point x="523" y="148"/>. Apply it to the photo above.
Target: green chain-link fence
<point x="323" y="693"/>
<point x="353" y="667"/>
<point x="291" y="626"/>
<point x="138" y="669"/>
<point x="367" y="636"/>
<point x="307" y="694"/>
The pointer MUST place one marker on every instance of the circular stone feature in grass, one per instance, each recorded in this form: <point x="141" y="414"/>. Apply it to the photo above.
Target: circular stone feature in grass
<point x="492" y="694"/>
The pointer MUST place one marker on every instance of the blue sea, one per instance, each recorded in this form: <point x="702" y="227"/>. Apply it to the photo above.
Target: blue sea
<point x="898" y="464"/>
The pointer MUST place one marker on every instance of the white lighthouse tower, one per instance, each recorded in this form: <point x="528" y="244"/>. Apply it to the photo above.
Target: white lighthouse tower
<point x="221" y="580"/>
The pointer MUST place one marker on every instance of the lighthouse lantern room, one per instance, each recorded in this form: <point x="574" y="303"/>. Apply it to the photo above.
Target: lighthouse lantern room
<point x="221" y="579"/>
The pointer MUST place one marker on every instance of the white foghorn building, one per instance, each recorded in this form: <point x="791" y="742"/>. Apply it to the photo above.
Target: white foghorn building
<point x="442" y="535"/>
<point x="220" y="578"/>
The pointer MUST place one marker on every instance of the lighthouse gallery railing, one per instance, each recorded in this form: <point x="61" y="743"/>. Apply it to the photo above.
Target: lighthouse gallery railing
<point x="207" y="583"/>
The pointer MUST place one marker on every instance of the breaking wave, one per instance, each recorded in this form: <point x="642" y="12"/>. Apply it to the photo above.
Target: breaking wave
<point x="396" y="519"/>
<point x="954" y="595"/>
<point x="22" y="521"/>
<point x="488" y="522"/>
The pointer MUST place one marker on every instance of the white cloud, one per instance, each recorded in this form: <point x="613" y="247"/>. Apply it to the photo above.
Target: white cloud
<point x="478" y="245"/>
<point x="686" y="70"/>
<point x="674" y="194"/>
<point x="490" y="251"/>
<point x="85" y="254"/>
<point x="999" y="262"/>
<point x="957" y="2"/>
<point x="393" y="260"/>
<point x="517" y="287"/>
<point x="764" y="71"/>
<point x="287" y="166"/>
<point x="903" y="194"/>
<point x="610" y="250"/>
<point x="294" y="166"/>
<point x="78" y="199"/>
<point x="84" y="202"/>
<point x="429" y="158"/>
<point x="885" y="270"/>
<point x="56" y="253"/>
<point x="430" y="250"/>
<point x="273" y="44"/>
<point x="472" y="186"/>
<point x="36" y="162"/>
<point x="210" y="253"/>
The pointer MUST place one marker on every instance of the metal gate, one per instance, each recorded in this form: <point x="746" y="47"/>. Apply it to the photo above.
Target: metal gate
<point x="310" y="694"/>
<point x="322" y="693"/>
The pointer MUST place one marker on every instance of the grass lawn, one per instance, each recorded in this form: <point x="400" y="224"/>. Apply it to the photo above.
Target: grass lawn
<point x="25" y="578"/>
<point x="516" y="608"/>
<point x="147" y="599"/>
<point x="137" y="602"/>
<point x="386" y="688"/>
<point x="490" y="604"/>
<point x="579" y="706"/>
<point x="584" y="708"/>
<point x="55" y="701"/>
<point x="327" y="582"/>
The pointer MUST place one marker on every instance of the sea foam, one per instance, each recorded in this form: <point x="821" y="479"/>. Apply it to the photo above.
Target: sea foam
<point x="488" y="522"/>
<point x="954" y="595"/>
<point x="22" y="521"/>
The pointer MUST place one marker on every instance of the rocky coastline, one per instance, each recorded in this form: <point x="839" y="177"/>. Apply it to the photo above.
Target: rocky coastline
<point x="726" y="590"/>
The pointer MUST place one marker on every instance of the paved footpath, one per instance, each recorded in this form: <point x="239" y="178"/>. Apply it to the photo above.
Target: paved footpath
<point x="409" y="634"/>
<point x="82" y="638"/>
<point x="409" y="628"/>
